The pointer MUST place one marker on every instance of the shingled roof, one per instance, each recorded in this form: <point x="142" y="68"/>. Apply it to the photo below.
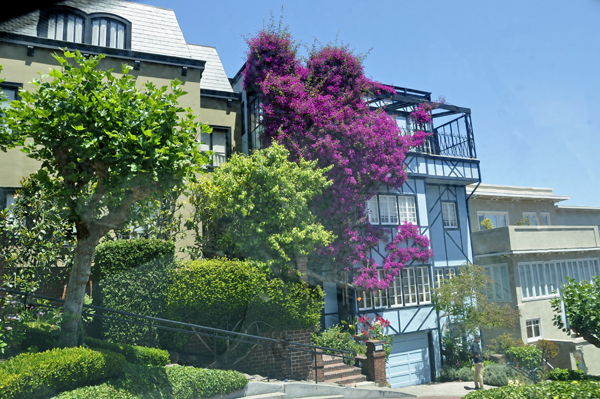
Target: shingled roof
<point x="154" y="30"/>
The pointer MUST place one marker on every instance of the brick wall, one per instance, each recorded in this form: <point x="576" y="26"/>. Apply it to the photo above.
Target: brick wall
<point x="279" y="361"/>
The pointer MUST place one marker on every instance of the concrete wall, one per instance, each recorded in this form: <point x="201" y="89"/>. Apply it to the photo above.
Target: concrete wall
<point x="532" y="238"/>
<point x="578" y="216"/>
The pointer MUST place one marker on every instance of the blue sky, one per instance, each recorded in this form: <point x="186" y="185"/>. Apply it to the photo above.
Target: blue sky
<point x="527" y="69"/>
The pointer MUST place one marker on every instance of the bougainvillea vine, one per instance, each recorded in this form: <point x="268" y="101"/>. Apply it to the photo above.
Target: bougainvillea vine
<point x="316" y="109"/>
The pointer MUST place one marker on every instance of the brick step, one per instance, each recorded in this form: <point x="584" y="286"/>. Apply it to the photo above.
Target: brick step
<point x="336" y="366"/>
<point x="348" y="380"/>
<point x="328" y="359"/>
<point x="342" y="373"/>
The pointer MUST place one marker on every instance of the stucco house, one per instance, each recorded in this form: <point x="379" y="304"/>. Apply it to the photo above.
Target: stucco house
<point x="533" y="246"/>
<point x="146" y="37"/>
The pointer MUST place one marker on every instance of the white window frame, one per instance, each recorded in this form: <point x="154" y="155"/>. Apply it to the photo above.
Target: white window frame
<point x="380" y="299"/>
<point x="546" y="218"/>
<point x="409" y="287"/>
<point x="373" y="210"/>
<point x="532" y="323"/>
<point x="486" y="215"/>
<point x="529" y="217"/>
<point x="366" y="300"/>
<point x="449" y="215"/>
<point x="390" y="204"/>
<point x="408" y="209"/>
<point x="395" y="290"/>
<point x="423" y="285"/>
<point x="539" y="279"/>
<point x="499" y="289"/>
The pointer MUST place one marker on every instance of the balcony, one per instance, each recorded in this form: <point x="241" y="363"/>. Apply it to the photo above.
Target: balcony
<point x="531" y="239"/>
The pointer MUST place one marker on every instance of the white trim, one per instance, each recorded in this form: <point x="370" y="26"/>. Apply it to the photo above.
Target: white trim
<point x="493" y="294"/>
<point x="408" y="209"/>
<point x="534" y="251"/>
<point x="390" y="204"/>
<point x="449" y="215"/>
<point x="495" y="213"/>
<point x="547" y="221"/>
<point x="534" y="338"/>
<point x="373" y="210"/>
<point x="531" y="216"/>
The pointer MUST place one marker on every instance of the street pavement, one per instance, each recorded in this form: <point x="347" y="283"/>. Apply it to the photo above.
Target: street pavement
<point x="444" y="390"/>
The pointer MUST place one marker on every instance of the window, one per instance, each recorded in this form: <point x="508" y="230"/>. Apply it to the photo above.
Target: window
<point x="545" y="218"/>
<point x="255" y="122"/>
<point x="498" y="219"/>
<point x="530" y="219"/>
<point x="388" y="209"/>
<point x="499" y="290"/>
<point x="395" y="291"/>
<point x="449" y="214"/>
<point x="63" y="25"/>
<point x="410" y="286"/>
<point x="408" y="211"/>
<point x="443" y="272"/>
<point x="542" y="279"/>
<point x="364" y="300"/>
<point x="219" y="143"/>
<point x="73" y="25"/>
<point x="534" y="329"/>
<point x="373" y="210"/>
<point x="380" y="296"/>
<point x="107" y="32"/>
<point x="423" y="284"/>
<point x="383" y="209"/>
<point x="10" y="94"/>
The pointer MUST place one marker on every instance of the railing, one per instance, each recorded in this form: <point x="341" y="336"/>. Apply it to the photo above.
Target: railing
<point x="452" y="139"/>
<point x="181" y="327"/>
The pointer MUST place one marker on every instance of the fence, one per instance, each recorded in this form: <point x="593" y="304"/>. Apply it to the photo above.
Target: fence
<point x="196" y="330"/>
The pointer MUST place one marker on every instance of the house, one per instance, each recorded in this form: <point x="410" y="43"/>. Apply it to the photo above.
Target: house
<point x="146" y="37"/>
<point x="434" y="197"/>
<point x="533" y="245"/>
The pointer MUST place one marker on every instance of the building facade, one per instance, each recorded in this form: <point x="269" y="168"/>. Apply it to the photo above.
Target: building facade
<point x="147" y="38"/>
<point x="533" y="246"/>
<point x="434" y="198"/>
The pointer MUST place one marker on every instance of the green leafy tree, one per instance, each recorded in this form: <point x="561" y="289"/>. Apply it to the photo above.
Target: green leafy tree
<point x="104" y="146"/>
<point x="35" y="241"/>
<point x="258" y="207"/>
<point x="463" y="300"/>
<point x="581" y="304"/>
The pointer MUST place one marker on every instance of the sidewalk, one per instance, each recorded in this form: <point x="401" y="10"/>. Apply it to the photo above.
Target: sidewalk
<point x="444" y="390"/>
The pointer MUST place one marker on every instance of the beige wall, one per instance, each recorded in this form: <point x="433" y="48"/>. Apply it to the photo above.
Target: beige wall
<point x="578" y="216"/>
<point x="515" y="210"/>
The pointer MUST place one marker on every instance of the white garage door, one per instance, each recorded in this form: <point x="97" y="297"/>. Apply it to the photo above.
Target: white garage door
<point x="408" y="363"/>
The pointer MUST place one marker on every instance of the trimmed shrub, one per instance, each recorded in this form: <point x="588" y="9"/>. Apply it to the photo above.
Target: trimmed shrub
<point x="334" y="337"/>
<point x="543" y="390"/>
<point x="526" y="357"/>
<point x="114" y="257"/>
<point x="498" y="376"/>
<point x="240" y="296"/>
<point x="565" y="375"/>
<point x="163" y="382"/>
<point x="137" y="284"/>
<point x="133" y="354"/>
<point x="466" y="374"/>
<point x="42" y="336"/>
<point x="41" y="375"/>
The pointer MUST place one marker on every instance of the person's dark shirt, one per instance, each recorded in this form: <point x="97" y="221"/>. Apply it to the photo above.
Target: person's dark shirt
<point x="476" y="352"/>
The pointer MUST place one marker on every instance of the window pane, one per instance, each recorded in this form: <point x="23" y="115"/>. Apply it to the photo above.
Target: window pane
<point x="395" y="292"/>
<point x="78" y="30"/>
<point x="494" y="220"/>
<point x="112" y="34"/>
<point x="410" y="292"/>
<point x="121" y="36"/>
<point x="103" y="28"/>
<point x="552" y="276"/>
<point x="541" y="281"/>
<point x="439" y="276"/>
<point x="505" y="284"/>
<point x="480" y="218"/>
<point x="408" y="212"/>
<point x="596" y="269"/>
<point x="583" y="270"/>
<point x="530" y="282"/>
<point x="524" y="289"/>
<point x="388" y="209"/>
<point x="373" y="210"/>
<point x="502" y="220"/>
<point x="70" y="28"/>
<point x="52" y="27"/>
<point x="423" y="283"/>
<point x="60" y="27"/>
<point x="564" y="274"/>
<point x="449" y="214"/>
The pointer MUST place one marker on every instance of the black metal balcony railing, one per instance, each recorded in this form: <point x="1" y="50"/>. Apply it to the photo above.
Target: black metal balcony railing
<point x="452" y="139"/>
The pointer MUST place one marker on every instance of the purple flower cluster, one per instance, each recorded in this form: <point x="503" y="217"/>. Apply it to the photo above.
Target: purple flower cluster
<point x="317" y="111"/>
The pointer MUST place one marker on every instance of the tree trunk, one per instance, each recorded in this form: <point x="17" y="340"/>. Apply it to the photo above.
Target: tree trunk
<point x="80" y="275"/>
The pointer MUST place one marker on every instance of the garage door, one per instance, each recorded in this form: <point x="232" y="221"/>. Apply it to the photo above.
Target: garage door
<point x="408" y="363"/>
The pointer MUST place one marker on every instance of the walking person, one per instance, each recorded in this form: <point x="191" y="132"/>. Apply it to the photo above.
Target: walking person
<point x="478" y="361"/>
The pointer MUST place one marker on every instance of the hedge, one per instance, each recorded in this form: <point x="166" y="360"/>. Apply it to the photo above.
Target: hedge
<point x="40" y="375"/>
<point x="495" y="375"/>
<point x="544" y="390"/>
<point x="42" y="336"/>
<point x="175" y="382"/>
<point x="136" y="274"/>
<point x="526" y="357"/>
<point x="114" y="257"/>
<point x="565" y="375"/>
<point x="231" y="294"/>
<point x="133" y="354"/>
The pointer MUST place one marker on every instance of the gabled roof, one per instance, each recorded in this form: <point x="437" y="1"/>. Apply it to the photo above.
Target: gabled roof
<point x="154" y="30"/>
<point x="214" y="76"/>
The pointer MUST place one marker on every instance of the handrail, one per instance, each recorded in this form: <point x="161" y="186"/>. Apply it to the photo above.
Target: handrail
<point x="210" y="331"/>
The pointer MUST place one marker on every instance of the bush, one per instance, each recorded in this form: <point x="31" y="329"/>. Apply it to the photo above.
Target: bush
<point x="465" y="374"/>
<point x="565" y="375"/>
<point x="136" y="284"/>
<point x="527" y="357"/>
<point x="133" y="354"/>
<point x="503" y="342"/>
<point x="544" y="390"/>
<point x="115" y="257"/>
<point x="448" y="373"/>
<point x="240" y="296"/>
<point x="163" y="382"/>
<point x="499" y="376"/>
<point x="334" y="337"/>
<point x="41" y="336"/>
<point x="40" y="375"/>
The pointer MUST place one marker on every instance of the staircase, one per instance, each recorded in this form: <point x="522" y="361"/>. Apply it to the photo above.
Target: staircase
<point x="339" y="373"/>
